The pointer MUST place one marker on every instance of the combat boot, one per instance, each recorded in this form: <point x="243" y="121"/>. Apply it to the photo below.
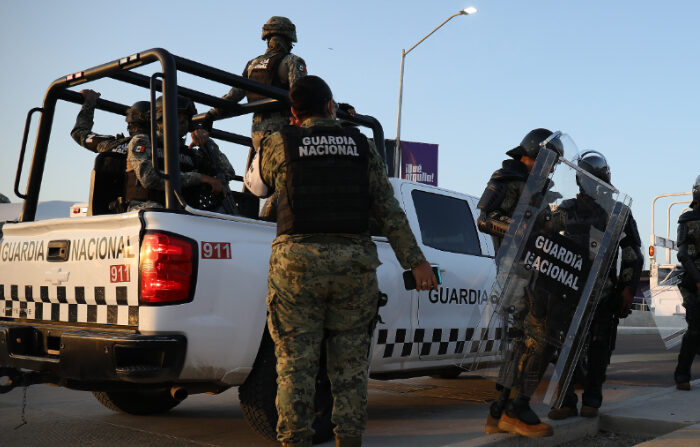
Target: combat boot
<point x="682" y="381"/>
<point x="562" y="413"/>
<point x="568" y="409"/>
<point x="353" y="441"/>
<point x="495" y="412"/>
<point x="685" y="359"/>
<point x="588" y="412"/>
<point x="519" y="418"/>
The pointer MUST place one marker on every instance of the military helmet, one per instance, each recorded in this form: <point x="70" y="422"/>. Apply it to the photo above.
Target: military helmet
<point x="531" y="144"/>
<point x="139" y="113"/>
<point x="184" y="105"/>
<point x="280" y="26"/>
<point x="4" y="199"/>
<point x="594" y="163"/>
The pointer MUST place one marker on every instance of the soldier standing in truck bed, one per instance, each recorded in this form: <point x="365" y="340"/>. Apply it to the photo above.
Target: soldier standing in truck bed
<point x="277" y="67"/>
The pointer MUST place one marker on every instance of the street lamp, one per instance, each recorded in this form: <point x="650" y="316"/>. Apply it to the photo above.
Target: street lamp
<point x="397" y="149"/>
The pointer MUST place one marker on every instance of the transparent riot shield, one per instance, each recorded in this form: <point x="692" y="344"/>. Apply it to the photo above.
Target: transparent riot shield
<point x="553" y="267"/>
<point x="665" y="304"/>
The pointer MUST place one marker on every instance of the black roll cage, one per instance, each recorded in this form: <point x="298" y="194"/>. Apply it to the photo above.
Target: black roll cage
<point x="166" y="82"/>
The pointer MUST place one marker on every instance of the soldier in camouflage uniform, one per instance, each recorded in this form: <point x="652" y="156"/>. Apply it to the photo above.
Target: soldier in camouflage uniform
<point x="497" y="205"/>
<point x="137" y="118"/>
<point x="145" y="188"/>
<point x="689" y="256"/>
<point x="323" y="264"/>
<point x="616" y="298"/>
<point x="277" y="67"/>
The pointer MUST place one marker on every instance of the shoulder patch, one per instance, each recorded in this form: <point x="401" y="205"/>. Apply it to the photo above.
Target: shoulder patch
<point x="139" y="149"/>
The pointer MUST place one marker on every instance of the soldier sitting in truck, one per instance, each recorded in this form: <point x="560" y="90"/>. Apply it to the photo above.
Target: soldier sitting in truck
<point x="145" y="188"/>
<point x="137" y="119"/>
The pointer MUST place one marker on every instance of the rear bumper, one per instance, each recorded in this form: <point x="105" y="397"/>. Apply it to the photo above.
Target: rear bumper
<point x="74" y="356"/>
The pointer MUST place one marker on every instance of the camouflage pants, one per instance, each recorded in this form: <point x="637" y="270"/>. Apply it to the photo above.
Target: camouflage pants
<point x="317" y="289"/>
<point x="537" y="352"/>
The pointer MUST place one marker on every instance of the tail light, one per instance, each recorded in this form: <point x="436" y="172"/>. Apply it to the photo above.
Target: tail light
<point x="167" y="269"/>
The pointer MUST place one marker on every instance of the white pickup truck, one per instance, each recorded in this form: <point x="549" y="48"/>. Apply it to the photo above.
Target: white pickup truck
<point x="146" y="307"/>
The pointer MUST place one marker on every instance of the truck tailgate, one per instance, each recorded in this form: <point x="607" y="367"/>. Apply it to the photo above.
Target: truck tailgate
<point x="82" y="271"/>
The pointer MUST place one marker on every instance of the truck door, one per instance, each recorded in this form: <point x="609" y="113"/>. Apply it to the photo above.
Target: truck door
<point x="445" y="228"/>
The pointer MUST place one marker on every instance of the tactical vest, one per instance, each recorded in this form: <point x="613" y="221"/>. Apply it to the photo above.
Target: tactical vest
<point x="136" y="191"/>
<point x="119" y="145"/>
<point x="264" y="70"/>
<point x="327" y="185"/>
<point x="691" y="219"/>
<point x="582" y="214"/>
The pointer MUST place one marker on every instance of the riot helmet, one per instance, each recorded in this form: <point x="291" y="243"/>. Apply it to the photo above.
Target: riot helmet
<point x="138" y="116"/>
<point x="696" y="193"/>
<point x="532" y="143"/>
<point x="595" y="164"/>
<point x="184" y="107"/>
<point x="279" y="26"/>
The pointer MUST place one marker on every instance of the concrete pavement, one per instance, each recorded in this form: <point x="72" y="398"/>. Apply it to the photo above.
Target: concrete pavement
<point x="423" y="411"/>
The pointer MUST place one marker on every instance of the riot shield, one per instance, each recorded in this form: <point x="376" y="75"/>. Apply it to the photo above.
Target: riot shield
<point x="553" y="267"/>
<point x="665" y="304"/>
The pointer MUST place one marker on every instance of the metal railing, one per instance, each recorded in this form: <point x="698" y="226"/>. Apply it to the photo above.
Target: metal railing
<point x="121" y="70"/>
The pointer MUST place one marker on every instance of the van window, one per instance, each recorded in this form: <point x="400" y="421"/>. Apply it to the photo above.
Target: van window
<point x="446" y="223"/>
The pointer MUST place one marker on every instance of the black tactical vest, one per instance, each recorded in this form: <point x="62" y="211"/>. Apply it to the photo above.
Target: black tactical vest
<point x="119" y="145"/>
<point x="327" y="188"/>
<point x="136" y="191"/>
<point x="264" y="70"/>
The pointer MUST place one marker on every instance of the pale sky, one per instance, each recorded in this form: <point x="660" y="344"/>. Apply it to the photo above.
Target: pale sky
<point x="619" y="77"/>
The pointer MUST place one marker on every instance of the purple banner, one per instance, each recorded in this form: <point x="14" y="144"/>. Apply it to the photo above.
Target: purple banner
<point x="419" y="162"/>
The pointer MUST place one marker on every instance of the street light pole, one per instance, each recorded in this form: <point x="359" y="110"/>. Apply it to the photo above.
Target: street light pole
<point x="397" y="143"/>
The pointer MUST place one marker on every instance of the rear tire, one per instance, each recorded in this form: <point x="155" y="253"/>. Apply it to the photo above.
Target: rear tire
<point x="138" y="402"/>
<point x="257" y="396"/>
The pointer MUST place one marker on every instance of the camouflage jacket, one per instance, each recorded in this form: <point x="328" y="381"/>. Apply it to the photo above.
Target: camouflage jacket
<point x="291" y="68"/>
<point x="139" y="160"/>
<point x="83" y="135"/>
<point x="383" y="205"/>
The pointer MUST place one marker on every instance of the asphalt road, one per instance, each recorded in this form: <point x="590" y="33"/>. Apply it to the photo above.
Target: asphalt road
<point x="421" y="412"/>
<point x="642" y="360"/>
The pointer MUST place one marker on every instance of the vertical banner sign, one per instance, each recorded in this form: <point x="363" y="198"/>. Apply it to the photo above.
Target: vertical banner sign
<point x="419" y="162"/>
